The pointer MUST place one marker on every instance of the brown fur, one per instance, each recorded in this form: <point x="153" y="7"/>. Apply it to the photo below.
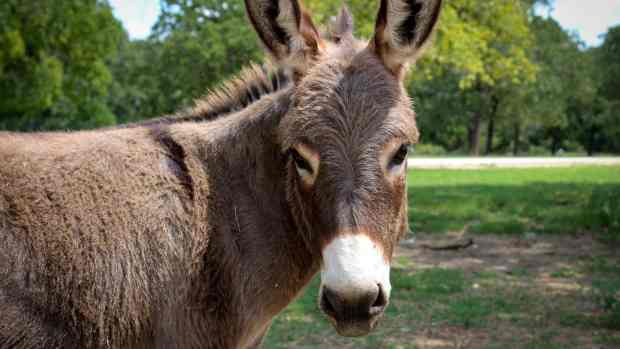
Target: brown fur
<point x="181" y="233"/>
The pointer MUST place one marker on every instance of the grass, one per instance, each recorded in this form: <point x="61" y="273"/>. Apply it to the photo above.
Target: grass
<point x="506" y="201"/>
<point x="492" y="310"/>
<point x="429" y="151"/>
<point x="437" y="298"/>
<point x="606" y="290"/>
<point x="557" y="301"/>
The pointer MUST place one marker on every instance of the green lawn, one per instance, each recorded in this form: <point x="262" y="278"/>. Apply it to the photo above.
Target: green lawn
<point x="441" y="307"/>
<point x="557" y="288"/>
<point x="506" y="201"/>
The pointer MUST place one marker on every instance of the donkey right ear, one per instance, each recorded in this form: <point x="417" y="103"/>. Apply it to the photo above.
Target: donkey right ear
<point x="286" y="30"/>
<point x="403" y="28"/>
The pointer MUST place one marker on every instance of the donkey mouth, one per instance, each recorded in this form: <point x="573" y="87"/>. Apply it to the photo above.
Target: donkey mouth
<point x="353" y="318"/>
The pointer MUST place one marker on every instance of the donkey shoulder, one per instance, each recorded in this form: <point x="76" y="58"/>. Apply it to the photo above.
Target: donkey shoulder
<point x="93" y="227"/>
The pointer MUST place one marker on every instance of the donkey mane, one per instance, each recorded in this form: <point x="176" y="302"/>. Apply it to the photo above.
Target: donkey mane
<point x="248" y="86"/>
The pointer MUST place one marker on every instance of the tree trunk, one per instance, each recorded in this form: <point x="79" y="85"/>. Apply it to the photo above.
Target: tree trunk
<point x="474" y="134"/>
<point x="490" y="131"/>
<point x="517" y="134"/>
<point x="491" y="126"/>
<point x="476" y="121"/>
<point x="555" y="143"/>
<point x="590" y="149"/>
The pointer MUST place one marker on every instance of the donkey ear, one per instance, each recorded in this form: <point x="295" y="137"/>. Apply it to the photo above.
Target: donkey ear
<point x="286" y="30"/>
<point x="403" y="28"/>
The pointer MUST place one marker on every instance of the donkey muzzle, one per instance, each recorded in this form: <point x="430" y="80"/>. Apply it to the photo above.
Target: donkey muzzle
<point x="355" y="316"/>
<point x="355" y="284"/>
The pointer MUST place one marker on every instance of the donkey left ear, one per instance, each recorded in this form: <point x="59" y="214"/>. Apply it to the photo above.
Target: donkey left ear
<point x="286" y="30"/>
<point x="402" y="30"/>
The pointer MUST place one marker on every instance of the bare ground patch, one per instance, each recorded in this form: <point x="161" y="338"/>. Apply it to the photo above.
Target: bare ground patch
<point x="551" y="274"/>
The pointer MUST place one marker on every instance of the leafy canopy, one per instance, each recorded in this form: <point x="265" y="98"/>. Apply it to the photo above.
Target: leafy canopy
<point x="53" y="63"/>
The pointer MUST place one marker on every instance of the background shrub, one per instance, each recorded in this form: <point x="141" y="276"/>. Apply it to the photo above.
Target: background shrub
<point x="428" y="150"/>
<point x="603" y="212"/>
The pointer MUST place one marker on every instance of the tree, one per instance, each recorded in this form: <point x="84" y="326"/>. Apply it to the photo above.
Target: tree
<point x="443" y="110"/>
<point x="135" y="92"/>
<point x="202" y="42"/>
<point x="485" y="45"/>
<point x="566" y="102"/>
<point x="609" y="63"/>
<point x="599" y="117"/>
<point x="53" y="71"/>
<point x="563" y="77"/>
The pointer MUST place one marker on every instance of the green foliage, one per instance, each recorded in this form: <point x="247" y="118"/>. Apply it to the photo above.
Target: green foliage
<point x="608" y="59"/>
<point x="538" y="151"/>
<point x="201" y="43"/>
<point x="135" y="91"/>
<point x="442" y="109"/>
<point x="428" y="150"/>
<point x="472" y="39"/>
<point x="195" y="45"/>
<point x="474" y="65"/>
<point x="53" y="63"/>
<point x="561" y="75"/>
<point x="603" y="212"/>
<point x="607" y="62"/>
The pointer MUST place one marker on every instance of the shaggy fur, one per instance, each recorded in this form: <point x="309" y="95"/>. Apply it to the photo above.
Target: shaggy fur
<point x="193" y="231"/>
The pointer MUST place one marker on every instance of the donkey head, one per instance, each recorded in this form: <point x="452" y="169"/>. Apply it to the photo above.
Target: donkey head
<point x="346" y="137"/>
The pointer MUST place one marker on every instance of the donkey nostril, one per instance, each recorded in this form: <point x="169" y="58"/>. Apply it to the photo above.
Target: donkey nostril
<point x="329" y="302"/>
<point x="381" y="300"/>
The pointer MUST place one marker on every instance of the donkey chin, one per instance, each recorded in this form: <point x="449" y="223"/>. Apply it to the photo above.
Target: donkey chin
<point x="355" y="284"/>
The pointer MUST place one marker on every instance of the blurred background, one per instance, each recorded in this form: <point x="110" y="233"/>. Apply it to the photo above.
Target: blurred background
<point x="522" y="77"/>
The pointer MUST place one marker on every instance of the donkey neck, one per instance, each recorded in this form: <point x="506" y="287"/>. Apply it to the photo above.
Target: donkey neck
<point x="256" y="261"/>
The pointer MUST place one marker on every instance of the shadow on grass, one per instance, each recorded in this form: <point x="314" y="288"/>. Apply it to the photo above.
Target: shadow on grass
<point x="537" y="207"/>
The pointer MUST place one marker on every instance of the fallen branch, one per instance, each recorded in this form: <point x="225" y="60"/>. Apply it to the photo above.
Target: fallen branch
<point x="459" y="245"/>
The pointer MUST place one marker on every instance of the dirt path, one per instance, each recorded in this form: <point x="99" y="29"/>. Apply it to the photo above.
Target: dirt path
<point x="538" y="254"/>
<point x="552" y="275"/>
<point x="527" y="162"/>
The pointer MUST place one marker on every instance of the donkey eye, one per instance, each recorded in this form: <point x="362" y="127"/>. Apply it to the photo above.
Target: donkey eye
<point x="399" y="158"/>
<point x="302" y="165"/>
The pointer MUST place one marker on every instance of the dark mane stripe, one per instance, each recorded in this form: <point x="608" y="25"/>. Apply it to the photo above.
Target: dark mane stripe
<point x="252" y="83"/>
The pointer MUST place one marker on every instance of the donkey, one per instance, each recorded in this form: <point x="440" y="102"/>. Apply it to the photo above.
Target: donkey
<point x="195" y="230"/>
